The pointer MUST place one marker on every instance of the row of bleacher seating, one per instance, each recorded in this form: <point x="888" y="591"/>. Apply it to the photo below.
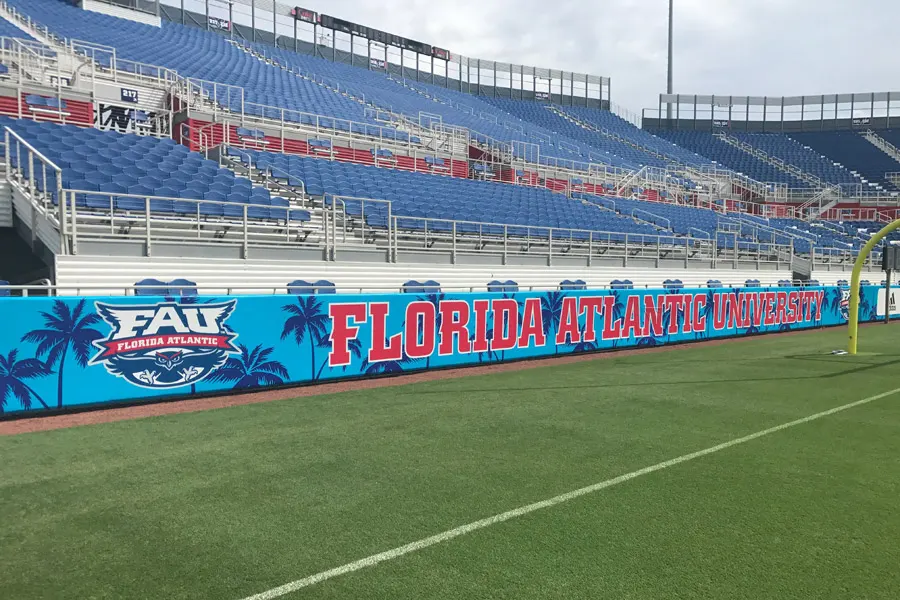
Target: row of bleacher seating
<point x="424" y="196"/>
<point x="186" y="288"/>
<point x="313" y="86"/>
<point x="114" y="163"/>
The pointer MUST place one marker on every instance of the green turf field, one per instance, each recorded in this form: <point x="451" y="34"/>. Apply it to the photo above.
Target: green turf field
<point x="231" y="503"/>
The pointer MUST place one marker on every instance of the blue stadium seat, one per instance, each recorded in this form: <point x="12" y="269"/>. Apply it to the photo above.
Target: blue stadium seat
<point x="325" y="287"/>
<point x="183" y="287"/>
<point x="151" y="287"/>
<point x="673" y="284"/>
<point x="412" y="287"/>
<point x="300" y="287"/>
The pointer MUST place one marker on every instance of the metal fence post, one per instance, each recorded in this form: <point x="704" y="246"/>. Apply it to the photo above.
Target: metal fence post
<point x="246" y="248"/>
<point x="74" y="241"/>
<point x="590" y="248"/>
<point x="736" y="250"/>
<point x="550" y="248"/>
<point x="453" y="251"/>
<point x="505" y="241"/>
<point x="147" y="224"/>
<point x="31" y="189"/>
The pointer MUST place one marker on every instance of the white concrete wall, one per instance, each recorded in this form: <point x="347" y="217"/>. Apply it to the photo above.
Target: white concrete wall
<point x="77" y="273"/>
<point x="121" y="12"/>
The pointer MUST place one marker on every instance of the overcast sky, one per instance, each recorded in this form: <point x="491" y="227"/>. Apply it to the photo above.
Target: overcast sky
<point x="739" y="47"/>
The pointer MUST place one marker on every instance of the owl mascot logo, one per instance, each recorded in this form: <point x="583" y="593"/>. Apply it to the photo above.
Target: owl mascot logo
<point x="166" y="345"/>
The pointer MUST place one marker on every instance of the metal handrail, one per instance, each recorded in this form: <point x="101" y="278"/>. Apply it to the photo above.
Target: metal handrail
<point x="268" y="170"/>
<point x="27" y="289"/>
<point x="655" y="216"/>
<point x="700" y="231"/>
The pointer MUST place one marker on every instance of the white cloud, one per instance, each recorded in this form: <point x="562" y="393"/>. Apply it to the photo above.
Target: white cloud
<point x="723" y="47"/>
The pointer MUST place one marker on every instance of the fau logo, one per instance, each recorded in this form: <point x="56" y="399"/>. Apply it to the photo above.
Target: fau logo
<point x="845" y="305"/>
<point x="165" y="345"/>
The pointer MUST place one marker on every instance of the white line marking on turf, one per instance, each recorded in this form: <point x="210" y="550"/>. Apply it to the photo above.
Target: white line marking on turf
<point x="387" y="555"/>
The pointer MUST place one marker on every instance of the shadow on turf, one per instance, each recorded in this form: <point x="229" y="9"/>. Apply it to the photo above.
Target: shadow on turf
<point x="807" y="357"/>
<point x="861" y="368"/>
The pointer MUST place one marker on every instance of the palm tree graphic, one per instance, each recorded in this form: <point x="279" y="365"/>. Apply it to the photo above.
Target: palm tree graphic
<point x="864" y="306"/>
<point x="618" y="309"/>
<point x="520" y="313"/>
<point x="833" y="299"/>
<point x="387" y="367"/>
<point x="551" y="311"/>
<point x="650" y="341"/>
<point x="488" y="355"/>
<point x="708" y="314"/>
<point x="14" y="372"/>
<point x="355" y="347"/>
<point x="583" y="346"/>
<point x="435" y="299"/>
<point x="252" y="369"/>
<point x="307" y="321"/>
<point x="65" y="328"/>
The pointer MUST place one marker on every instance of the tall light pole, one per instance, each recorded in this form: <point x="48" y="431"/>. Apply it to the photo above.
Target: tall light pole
<point x="669" y="77"/>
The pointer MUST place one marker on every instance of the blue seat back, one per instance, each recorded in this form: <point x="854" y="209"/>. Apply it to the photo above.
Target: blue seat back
<point x="151" y="287"/>
<point x="300" y="287"/>
<point x="183" y="287"/>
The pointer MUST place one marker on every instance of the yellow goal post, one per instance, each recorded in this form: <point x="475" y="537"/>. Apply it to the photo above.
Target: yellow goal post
<point x="853" y="317"/>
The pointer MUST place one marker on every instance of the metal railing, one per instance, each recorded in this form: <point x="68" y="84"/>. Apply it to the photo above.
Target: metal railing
<point x="653" y="219"/>
<point x="92" y="215"/>
<point x="105" y="64"/>
<point x="27" y="22"/>
<point x="352" y="220"/>
<point x="269" y="177"/>
<point x="41" y="289"/>
<point x="150" y="220"/>
<point x="37" y="176"/>
<point x="222" y="99"/>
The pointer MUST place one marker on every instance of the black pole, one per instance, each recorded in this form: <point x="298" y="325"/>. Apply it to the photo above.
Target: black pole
<point x="887" y="299"/>
<point x="295" y="35"/>
<point x="231" y="19"/>
<point x="252" y="21"/>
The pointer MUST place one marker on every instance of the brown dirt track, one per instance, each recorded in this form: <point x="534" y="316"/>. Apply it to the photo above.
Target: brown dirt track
<point x="91" y="417"/>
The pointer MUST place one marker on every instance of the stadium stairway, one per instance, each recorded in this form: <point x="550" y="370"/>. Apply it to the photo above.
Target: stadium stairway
<point x="794" y="174"/>
<point x="882" y="144"/>
<point x="857" y="155"/>
<point x="781" y="147"/>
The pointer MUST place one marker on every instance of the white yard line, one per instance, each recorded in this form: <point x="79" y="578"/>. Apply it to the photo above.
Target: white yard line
<point x="387" y="555"/>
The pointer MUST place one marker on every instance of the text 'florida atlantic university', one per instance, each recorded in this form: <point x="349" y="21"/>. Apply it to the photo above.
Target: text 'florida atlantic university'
<point x="450" y="327"/>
